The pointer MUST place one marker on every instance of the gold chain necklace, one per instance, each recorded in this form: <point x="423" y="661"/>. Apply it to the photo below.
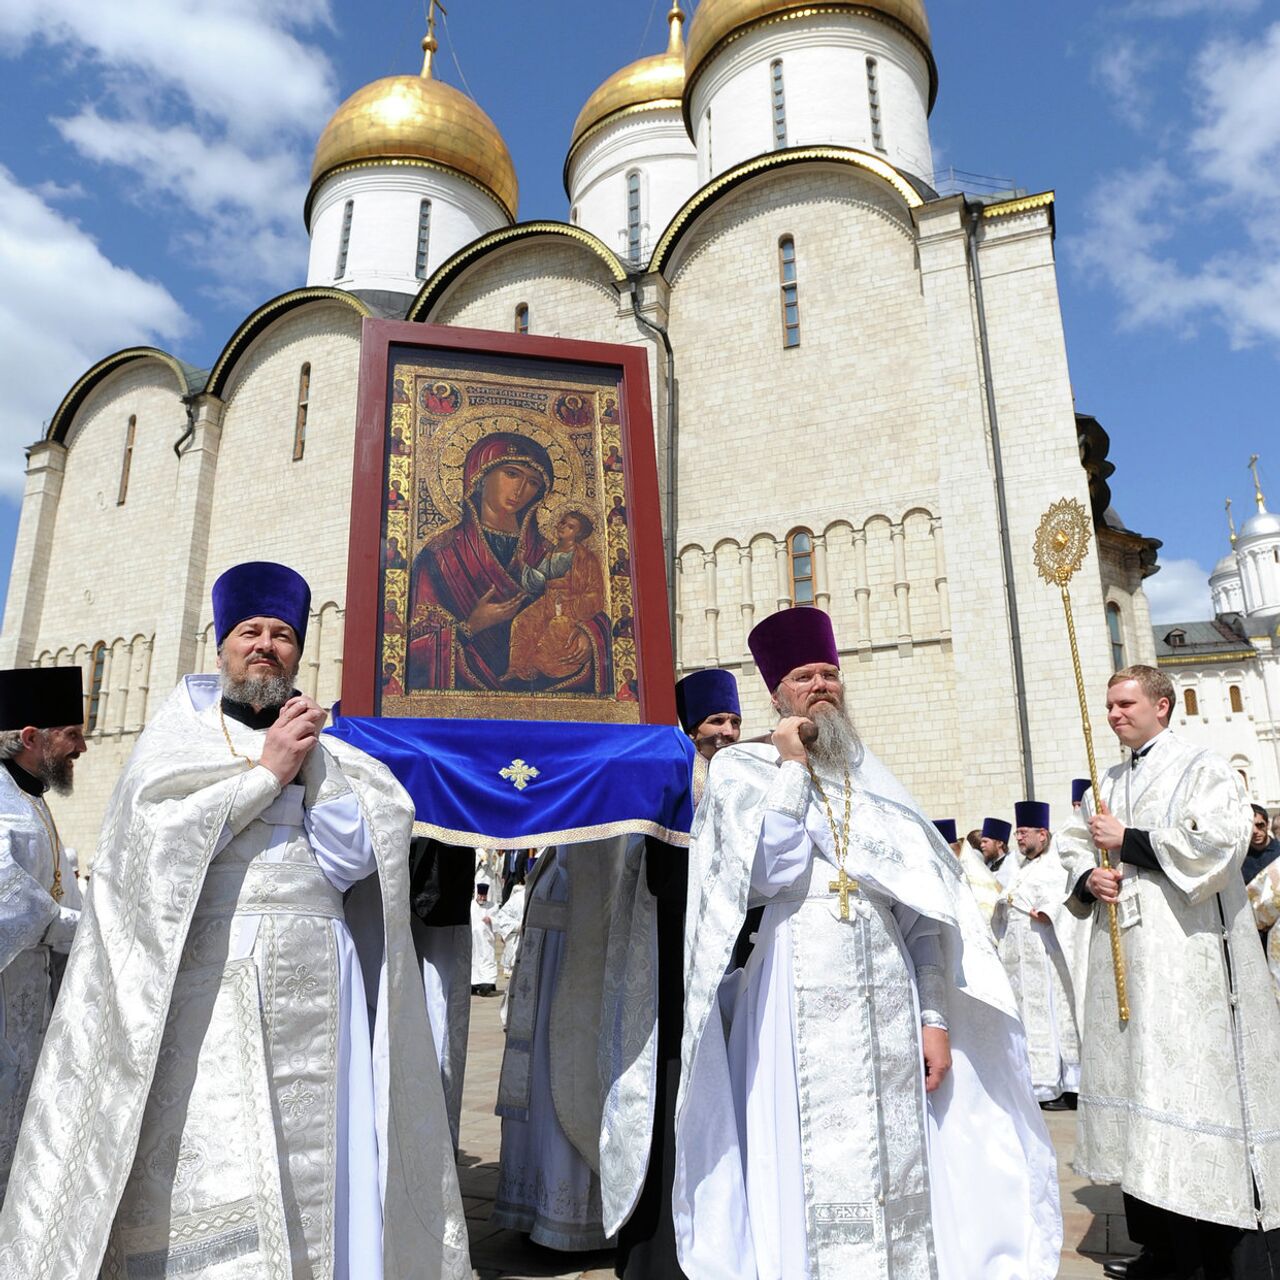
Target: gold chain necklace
<point x="226" y="733"/>
<point x="51" y="830"/>
<point x="844" y="885"/>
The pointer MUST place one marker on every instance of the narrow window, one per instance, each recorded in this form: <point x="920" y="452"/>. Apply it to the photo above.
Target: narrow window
<point x="801" y="567"/>
<point x="790" y="292"/>
<point x="127" y="461"/>
<point x="345" y="243"/>
<point x="424" y="236"/>
<point x="1237" y="700"/>
<point x="1117" y="637"/>
<point x="710" y="164"/>
<point x="99" y="661"/>
<point x="779" y="107"/>
<point x="522" y="318"/>
<point x="633" y="216"/>
<point x="573" y="215"/>
<point x="300" y="425"/>
<point x="1191" y="702"/>
<point x="873" y="102"/>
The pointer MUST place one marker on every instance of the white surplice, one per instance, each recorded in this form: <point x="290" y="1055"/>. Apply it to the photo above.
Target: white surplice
<point x="507" y="924"/>
<point x="484" y="961"/>
<point x="210" y="1103"/>
<point x="34" y="930"/>
<point x="805" y="1144"/>
<point x="1264" y="898"/>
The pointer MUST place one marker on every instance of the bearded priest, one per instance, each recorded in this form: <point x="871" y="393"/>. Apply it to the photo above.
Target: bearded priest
<point x="211" y="1100"/>
<point x="846" y="1106"/>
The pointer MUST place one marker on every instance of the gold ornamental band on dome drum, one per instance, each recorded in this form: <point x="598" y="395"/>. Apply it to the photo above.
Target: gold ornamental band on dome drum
<point x="1062" y="542"/>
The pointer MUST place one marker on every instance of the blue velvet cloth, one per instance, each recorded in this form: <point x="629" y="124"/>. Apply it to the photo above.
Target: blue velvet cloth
<point x="592" y="781"/>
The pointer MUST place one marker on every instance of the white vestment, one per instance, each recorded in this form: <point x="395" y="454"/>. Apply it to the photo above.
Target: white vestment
<point x="982" y="884"/>
<point x="805" y="1142"/>
<point x="549" y="1092"/>
<point x="484" y="960"/>
<point x="33" y="930"/>
<point x="1040" y="973"/>
<point x="507" y="924"/>
<point x="1264" y="898"/>
<point x="212" y="1102"/>
<point x="1179" y="1104"/>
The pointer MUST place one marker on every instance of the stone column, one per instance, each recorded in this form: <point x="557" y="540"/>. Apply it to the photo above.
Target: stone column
<point x="940" y="580"/>
<point x="748" y="604"/>
<point x="821" y="590"/>
<point x="901" y="586"/>
<point x="139" y="703"/>
<point x="782" y="561"/>
<point x="862" y="593"/>
<point x="712" y="610"/>
<point x="46" y="465"/>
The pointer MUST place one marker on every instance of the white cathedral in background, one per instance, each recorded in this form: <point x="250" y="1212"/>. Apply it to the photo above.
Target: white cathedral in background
<point x="1227" y="669"/>
<point x="861" y="398"/>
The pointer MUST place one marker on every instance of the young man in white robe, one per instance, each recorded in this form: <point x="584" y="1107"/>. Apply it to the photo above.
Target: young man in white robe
<point x="994" y="844"/>
<point x="1179" y="1103"/>
<point x="41" y="736"/>
<point x="644" y="1009"/>
<point x="1027" y="923"/>
<point x="211" y="1101"/>
<point x="866" y="1114"/>
<point x="484" y="959"/>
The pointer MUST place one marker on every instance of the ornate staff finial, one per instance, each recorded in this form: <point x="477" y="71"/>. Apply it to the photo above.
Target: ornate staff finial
<point x="1231" y="524"/>
<point x="1257" y="484"/>
<point x="1062" y="542"/>
<point x="429" y="42"/>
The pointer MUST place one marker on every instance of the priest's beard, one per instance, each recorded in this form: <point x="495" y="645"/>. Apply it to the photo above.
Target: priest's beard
<point x="56" y="772"/>
<point x="272" y="690"/>
<point x="837" y="744"/>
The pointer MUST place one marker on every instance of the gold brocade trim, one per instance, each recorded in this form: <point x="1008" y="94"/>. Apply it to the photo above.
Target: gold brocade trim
<point x="1237" y="655"/>
<point x="1023" y="204"/>
<point x="881" y="169"/>
<point x="571" y="835"/>
<point x="445" y="272"/>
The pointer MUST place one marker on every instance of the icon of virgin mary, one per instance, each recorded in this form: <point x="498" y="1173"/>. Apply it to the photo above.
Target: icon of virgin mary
<point x="472" y="580"/>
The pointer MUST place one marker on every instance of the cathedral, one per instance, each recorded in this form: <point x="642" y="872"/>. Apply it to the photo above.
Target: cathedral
<point x="862" y="400"/>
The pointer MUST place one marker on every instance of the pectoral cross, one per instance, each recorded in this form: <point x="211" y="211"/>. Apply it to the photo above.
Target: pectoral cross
<point x="844" y="887"/>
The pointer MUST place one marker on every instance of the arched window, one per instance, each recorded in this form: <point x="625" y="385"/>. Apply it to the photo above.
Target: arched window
<point x="709" y="160"/>
<point x="779" y="106"/>
<point x="345" y="242"/>
<point x="573" y="215"/>
<point x="424" y="237"/>
<point x="873" y="103"/>
<point x="522" y="318"/>
<point x="300" y="423"/>
<point x="790" y="292"/>
<point x="800" y="548"/>
<point x="633" y="216"/>
<point x="98" y="665"/>
<point x="1117" y="636"/>
<point x="1237" y="698"/>
<point x="1191" y="702"/>
<point x="127" y="461"/>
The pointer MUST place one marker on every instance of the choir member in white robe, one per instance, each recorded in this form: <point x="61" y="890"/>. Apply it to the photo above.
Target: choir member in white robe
<point x="982" y="884"/>
<point x="644" y="1010"/>
<point x="1072" y="931"/>
<point x="549" y="1091"/>
<point x="1001" y="862"/>
<point x="507" y="924"/>
<point x="1178" y="1104"/>
<point x="484" y="957"/>
<point x="870" y="1110"/>
<point x="211" y="1101"/>
<point x="1036" y="961"/>
<point x="41" y="736"/>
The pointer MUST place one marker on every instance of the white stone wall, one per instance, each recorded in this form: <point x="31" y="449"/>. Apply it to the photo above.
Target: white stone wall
<point x="386" y="202"/>
<point x="1121" y="579"/>
<point x="652" y="143"/>
<point x="824" y="59"/>
<point x="1258" y="558"/>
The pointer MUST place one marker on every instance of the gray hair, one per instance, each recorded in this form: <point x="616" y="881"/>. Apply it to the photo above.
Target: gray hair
<point x="10" y="743"/>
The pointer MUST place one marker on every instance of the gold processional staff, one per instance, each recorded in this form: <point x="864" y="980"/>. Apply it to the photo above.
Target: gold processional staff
<point x="1062" y="542"/>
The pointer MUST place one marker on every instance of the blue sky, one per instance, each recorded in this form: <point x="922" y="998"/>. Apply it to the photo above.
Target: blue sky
<point x="154" y="158"/>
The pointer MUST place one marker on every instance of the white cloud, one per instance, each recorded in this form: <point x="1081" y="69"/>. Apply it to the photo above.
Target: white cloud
<point x="1120" y="69"/>
<point x="1185" y="8"/>
<point x="212" y="106"/>
<point x="64" y="306"/>
<point x="1179" y="593"/>
<point x="1220" y="192"/>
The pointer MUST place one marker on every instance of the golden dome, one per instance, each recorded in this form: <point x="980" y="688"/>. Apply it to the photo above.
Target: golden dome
<point x="719" y="20"/>
<point x="650" y="82"/>
<point x="417" y="118"/>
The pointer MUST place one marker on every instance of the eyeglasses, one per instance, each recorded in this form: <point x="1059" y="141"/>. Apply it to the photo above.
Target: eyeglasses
<point x="816" y="677"/>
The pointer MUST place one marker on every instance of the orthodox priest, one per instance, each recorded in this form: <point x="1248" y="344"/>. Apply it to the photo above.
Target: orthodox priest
<point x="644" y="1009"/>
<point x="869" y="1110"/>
<point x="211" y="1101"/>
<point x="1178" y="1104"/>
<point x="1028" y="919"/>
<point x="42" y="714"/>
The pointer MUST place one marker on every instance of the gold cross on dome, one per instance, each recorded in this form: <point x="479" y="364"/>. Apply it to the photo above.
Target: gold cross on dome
<point x="518" y="774"/>
<point x="844" y="886"/>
